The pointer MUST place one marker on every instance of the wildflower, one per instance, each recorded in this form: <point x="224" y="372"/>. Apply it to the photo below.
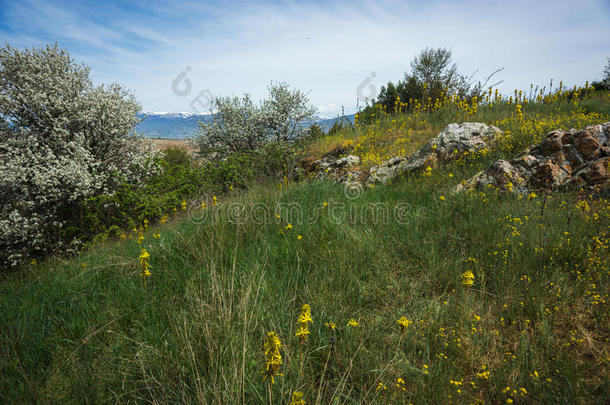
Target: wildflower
<point x="400" y="384"/>
<point x="442" y="198"/>
<point x="297" y="398"/>
<point x="203" y="205"/>
<point x="404" y="324"/>
<point x="425" y="367"/>
<point x="33" y="262"/>
<point x="145" y="223"/>
<point x="156" y="235"/>
<point x="288" y="227"/>
<point x="183" y="205"/>
<point x="380" y="386"/>
<point x="273" y="358"/>
<point x="214" y="201"/>
<point x="277" y="216"/>
<point x="144" y="256"/>
<point x="532" y="196"/>
<point x="140" y="238"/>
<point x="476" y="317"/>
<point x="302" y="333"/>
<point x="509" y="401"/>
<point x="299" y="237"/>
<point x="468" y="278"/>
<point x="352" y="322"/>
<point x="331" y="326"/>
<point x="123" y="236"/>
<point x="303" y="321"/>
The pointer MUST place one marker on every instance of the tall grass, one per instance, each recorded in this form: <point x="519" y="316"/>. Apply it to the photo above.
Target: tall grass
<point x="533" y="328"/>
<point x="90" y="330"/>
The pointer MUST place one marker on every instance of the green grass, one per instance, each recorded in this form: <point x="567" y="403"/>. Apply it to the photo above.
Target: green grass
<point x="89" y="330"/>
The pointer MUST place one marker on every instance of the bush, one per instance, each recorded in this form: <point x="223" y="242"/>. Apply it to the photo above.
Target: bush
<point x="62" y="140"/>
<point x="240" y="126"/>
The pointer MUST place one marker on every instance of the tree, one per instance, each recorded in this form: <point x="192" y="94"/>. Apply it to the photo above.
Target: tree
<point x="285" y="112"/>
<point x="61" y="139"/>
<point x="604" y="83"/>
<point x="435" y="68"/>
<point x="432" y="75"/>
<point x="240" y="126"/>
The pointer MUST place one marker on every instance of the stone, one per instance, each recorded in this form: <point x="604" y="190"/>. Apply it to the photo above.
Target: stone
<point x="564" y="160"/>
<point x="451" y="143"/>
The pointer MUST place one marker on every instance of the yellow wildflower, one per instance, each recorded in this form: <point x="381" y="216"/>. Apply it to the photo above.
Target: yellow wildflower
<point x="404" y="324"/>
<point x="468" y="278"/>
<point x="297" y="398"/>
<point x="352" y="322"/>
<point x="273" y="358"/>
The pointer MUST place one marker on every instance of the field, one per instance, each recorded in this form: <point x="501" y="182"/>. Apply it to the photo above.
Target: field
<point x="163" y="144"/>
<point x="404" y="293"/>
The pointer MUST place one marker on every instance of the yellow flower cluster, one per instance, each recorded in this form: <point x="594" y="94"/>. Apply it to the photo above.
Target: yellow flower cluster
<point x="303" y="321"/>
<point x="144" y="256"/>
<point x="273" y="358"/>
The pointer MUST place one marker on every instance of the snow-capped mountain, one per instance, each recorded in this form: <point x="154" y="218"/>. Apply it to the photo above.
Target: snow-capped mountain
<point x="182" y="125"/>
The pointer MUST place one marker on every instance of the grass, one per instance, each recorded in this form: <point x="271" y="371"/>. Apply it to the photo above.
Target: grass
<point x="533" y="328"/>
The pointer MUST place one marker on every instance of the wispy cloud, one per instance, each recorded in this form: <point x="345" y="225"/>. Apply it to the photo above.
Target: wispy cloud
<point x="325" y="48"/>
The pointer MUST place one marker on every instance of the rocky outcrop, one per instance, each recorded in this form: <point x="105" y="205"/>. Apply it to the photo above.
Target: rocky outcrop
<point x="565" y="160"/>
<point x="336" y="166"/>
<point x="451" y="143"/>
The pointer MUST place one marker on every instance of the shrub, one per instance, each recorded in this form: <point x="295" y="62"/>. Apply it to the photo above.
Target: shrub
<point x="62" y="139"/>
<point x="240" y="126"/>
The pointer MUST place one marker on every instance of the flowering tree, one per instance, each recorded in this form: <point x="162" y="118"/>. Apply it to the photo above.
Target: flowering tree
<point x="61" y="139"/>
<point x="241" y="126"/>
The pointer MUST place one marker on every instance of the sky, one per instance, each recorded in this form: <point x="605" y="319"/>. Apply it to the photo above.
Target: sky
<point x="176" y="56"/>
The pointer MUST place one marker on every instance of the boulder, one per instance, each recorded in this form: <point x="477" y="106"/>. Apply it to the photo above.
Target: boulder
<point x="450" y="144"/>
<point x="565" y="160"/>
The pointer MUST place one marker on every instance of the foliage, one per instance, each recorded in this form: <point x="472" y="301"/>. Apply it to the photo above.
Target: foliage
<point x="524" y="119"/>
<point x="62" y="139"/>
<point x="604" y="83"/>
<point x="240" y="126"/>
<point x="433" y="76"/>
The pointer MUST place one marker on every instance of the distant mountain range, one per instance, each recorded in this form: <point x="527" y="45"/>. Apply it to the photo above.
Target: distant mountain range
<point x="182" y="125"/>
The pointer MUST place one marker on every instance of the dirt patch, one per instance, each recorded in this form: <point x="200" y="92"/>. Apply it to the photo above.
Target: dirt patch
<point x="163" y="144"/>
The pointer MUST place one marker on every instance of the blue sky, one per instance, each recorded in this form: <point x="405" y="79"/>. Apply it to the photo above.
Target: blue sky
<point x="326" y="48"/>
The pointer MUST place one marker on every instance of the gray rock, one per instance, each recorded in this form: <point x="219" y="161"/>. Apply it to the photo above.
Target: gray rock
<point x="450" y="144"/>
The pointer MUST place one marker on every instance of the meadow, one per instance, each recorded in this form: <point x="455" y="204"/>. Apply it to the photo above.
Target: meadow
<point x="299" y="292"/>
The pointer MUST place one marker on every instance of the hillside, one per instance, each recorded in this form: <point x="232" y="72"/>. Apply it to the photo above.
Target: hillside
<point x="417" y="294"/>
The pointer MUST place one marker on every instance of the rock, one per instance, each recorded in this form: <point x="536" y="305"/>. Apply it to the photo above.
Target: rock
<point x="501" y="173"/>
<point x="450" y="144"/>
<point x="386" y="171"/>
<point x="564" y="160"/>
<point x="335" y="169"/>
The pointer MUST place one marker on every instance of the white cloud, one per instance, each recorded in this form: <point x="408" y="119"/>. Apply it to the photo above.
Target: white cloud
<point x="325" y="48"/>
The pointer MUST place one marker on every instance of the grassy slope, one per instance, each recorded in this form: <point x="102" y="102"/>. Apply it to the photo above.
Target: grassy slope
<point x="89" y="330"/>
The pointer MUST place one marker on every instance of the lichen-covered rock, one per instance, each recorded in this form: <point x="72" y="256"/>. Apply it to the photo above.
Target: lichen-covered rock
<point x="337" y="168"/>
<point x="451" y="143"/>
<point x="566" y="160"/>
